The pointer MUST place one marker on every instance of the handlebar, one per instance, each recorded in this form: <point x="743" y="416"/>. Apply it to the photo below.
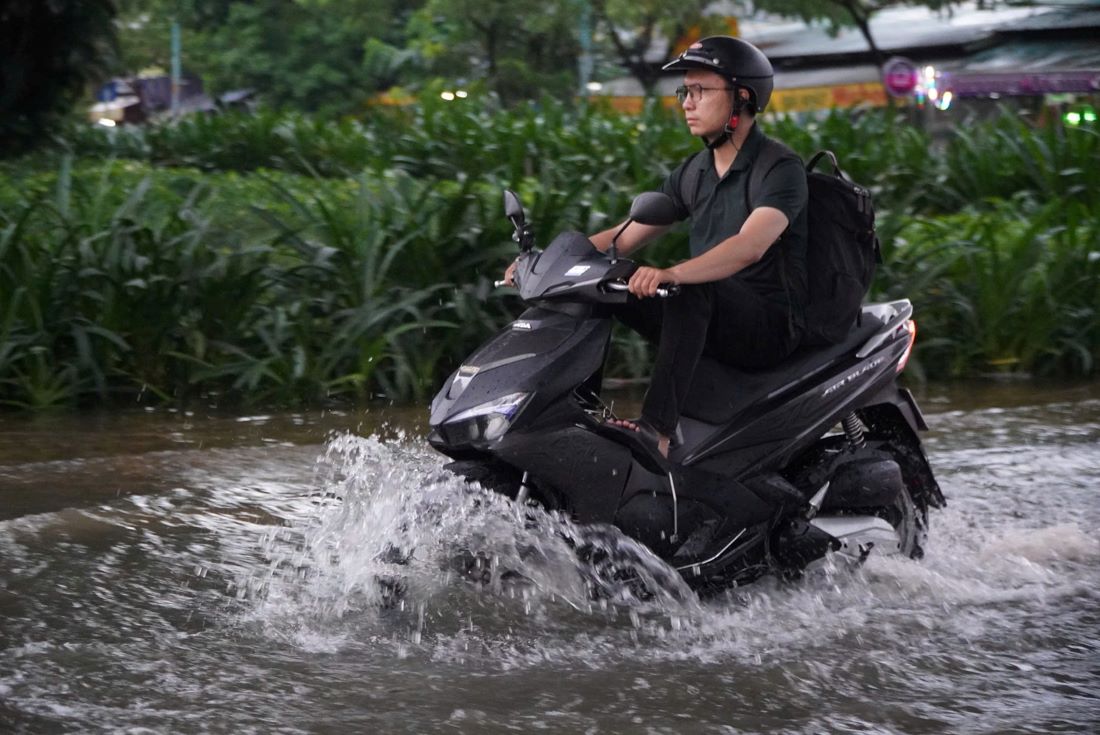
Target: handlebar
<point x="664" y="291"/>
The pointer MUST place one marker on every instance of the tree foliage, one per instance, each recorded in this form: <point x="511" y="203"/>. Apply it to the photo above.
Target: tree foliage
<point x="329" y="55"/>
<point x="49" y="52"/>
<point x="846" y="13"/>
<point x="637" y="30"/>
<point x="332" y="56"/>
<point x="305" y="54"/>
<point x="521" y="48"/>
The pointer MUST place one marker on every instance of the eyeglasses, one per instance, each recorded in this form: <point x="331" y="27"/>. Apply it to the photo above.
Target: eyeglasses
<point x="695" y="91"/>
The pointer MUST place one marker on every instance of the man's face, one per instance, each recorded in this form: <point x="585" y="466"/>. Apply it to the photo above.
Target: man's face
<point x="707" y="107"/>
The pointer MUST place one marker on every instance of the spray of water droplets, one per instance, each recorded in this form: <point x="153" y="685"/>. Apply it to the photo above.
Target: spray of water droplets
<point x="390" y="533"/>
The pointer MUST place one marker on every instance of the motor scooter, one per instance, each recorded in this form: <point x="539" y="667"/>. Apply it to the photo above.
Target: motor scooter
<point x="771" y="471"/>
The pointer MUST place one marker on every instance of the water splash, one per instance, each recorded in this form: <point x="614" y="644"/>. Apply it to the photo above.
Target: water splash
<point x="390" y="535"/>
<point x="392" y="547"/>
<point x="123" y="613"/>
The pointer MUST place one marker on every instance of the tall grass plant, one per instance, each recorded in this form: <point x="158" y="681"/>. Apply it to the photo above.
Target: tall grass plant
<point x="279" y="258"/>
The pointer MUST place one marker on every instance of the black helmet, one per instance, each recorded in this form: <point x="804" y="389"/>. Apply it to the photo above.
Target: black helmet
<point x="739" y="61"/>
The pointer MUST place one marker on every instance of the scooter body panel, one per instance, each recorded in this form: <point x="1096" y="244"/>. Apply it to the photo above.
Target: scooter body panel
<point x="544" y="355"/>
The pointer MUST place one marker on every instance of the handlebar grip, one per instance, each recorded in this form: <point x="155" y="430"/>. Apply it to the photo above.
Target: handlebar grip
<point x="663" y="291"/>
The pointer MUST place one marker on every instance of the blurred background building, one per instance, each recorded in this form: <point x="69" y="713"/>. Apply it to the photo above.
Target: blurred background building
<point x="971" y="59"/>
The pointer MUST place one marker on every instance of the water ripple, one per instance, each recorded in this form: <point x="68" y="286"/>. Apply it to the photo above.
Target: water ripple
<point x="357" y="587"/>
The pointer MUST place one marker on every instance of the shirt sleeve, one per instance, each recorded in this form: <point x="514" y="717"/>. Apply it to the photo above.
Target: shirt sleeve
<point x="784" y="188"/>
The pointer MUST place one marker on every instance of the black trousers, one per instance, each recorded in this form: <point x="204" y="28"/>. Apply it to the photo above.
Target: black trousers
<point x="724" y="319"/>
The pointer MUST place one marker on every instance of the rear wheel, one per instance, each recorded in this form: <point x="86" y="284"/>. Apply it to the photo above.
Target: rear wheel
<point x="909" y="522"/>
<point x="920" y="491"/>
<point x="906" y="510"/>
<point x="889" y="431"/>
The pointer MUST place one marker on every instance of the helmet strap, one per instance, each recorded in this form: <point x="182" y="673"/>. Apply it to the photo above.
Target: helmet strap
<point x="719" y="141"/>
<point x="731" y="124"/>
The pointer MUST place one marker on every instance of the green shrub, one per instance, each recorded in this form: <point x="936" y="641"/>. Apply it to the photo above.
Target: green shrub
<point x="1013" y="287"/>
<point x="1010" y="155"/>
<point x="123" y="282"/>
<point x="279" y="258"/>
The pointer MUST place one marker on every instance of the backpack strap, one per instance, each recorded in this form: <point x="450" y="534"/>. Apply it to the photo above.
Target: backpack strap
<point x="692" y="176"/>
<point x="837" y="171"/>
<point x="771" y="153"/>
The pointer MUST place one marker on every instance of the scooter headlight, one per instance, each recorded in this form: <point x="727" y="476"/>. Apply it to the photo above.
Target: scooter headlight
<point x="488" y="421"/>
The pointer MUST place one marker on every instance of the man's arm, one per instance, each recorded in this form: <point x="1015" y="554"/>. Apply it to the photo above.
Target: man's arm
<point x="634" y="237"/>
<point x="760" y="231"/>
<point x="637" y="234"/>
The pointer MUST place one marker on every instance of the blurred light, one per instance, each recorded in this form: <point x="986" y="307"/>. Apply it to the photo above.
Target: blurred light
<point x="1076" y="117"/>
<point x="106" y="122"/>
<point x="594" y="86"/>
<point x="449" y="96"/>
<point x="930" y="88"/>
<point x="461" y="94"/>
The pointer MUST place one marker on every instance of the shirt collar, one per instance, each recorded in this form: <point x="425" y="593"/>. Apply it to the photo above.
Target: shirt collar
<point x="744" y="159"/>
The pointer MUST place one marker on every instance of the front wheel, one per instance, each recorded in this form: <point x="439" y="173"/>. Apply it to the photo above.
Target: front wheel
<point x="503" y="479"/>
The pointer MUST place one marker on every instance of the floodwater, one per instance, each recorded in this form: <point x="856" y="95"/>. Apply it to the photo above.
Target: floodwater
<point x="190" y="573"/>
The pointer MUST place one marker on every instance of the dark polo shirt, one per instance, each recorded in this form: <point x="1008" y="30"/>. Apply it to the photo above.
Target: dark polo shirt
<point x="721" y="206"/>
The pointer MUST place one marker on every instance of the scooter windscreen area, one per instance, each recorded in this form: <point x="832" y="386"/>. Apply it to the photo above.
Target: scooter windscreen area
<point x="570" y="261"/>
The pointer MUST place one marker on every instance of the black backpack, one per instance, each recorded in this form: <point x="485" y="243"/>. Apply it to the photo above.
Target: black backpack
<point x="842" y="247"/>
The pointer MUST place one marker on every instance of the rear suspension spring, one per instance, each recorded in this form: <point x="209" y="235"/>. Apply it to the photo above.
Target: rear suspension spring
<point x="854" y="430"/>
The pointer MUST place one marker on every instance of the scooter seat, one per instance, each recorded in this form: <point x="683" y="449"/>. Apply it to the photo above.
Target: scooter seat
<point x="719" y="392"/>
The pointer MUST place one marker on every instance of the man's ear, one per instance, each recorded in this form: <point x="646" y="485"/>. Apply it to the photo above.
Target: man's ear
<point x="746" y="100"/>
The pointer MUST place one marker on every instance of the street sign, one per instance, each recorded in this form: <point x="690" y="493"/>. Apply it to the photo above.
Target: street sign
<point x="900" y="76"/>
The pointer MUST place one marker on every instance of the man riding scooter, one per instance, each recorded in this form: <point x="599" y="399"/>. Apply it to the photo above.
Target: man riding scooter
<point x="743" y="287"/>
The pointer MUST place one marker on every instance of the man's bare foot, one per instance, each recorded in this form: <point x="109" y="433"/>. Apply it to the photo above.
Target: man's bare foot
<point x="662" y="440"/>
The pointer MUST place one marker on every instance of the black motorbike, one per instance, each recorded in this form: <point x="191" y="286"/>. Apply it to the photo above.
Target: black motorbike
<point x="770" y="470"/>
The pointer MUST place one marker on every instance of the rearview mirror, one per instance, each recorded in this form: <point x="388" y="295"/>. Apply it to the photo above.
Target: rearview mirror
<point x="512" y="208"/>
<point x="514" y="211"/>
<point x="653" y="208"/>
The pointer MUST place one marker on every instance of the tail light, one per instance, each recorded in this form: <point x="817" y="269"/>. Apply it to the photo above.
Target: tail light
<point x="911" y="327"/>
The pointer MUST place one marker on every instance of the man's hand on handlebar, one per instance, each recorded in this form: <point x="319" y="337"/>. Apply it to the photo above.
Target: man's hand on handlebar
<point x="645" y="281"/>
<point x="509" y="274"/>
